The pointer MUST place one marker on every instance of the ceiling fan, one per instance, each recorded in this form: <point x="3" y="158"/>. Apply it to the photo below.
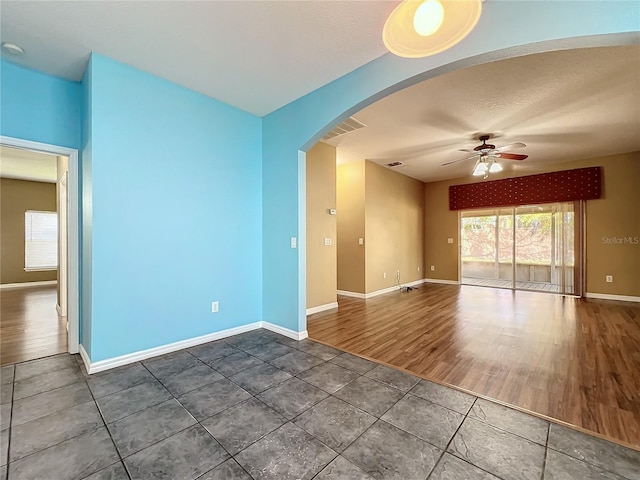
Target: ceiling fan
<point x="486" y="155"/>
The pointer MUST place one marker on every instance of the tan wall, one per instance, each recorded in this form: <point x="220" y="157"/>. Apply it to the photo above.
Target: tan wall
<point x="351" y="227"/>
<point x="321" y="197"/>
<point x="16" y="197"/>
<point x="394" y="227"/>
<point x="615" y="214"/>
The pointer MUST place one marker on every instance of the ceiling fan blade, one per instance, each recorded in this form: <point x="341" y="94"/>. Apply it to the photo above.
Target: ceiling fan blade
<point x="459" y="160"/>
<point x="512" y="156"/>
<point x="469" y="151"/>
<point x="511" y="146"/>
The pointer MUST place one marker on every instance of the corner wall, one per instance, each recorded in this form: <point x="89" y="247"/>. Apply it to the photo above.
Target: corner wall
<point x="321" y="197"/>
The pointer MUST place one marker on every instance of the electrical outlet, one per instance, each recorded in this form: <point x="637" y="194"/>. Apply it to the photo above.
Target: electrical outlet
<point x="215" y="306"/>
<point x="384" y="275"/>
<point x="294" y="242"/>
<point x="360" y="241"/>
<point x="609" y="278"/>
<point x="433" y="268"/>
<point x="327" y="241"/>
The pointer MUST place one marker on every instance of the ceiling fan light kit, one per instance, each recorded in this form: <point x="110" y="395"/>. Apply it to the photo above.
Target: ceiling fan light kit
<point x="419" y="28"/>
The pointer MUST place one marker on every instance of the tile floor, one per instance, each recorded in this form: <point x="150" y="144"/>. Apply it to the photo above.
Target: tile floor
<point x="262" y="406"/>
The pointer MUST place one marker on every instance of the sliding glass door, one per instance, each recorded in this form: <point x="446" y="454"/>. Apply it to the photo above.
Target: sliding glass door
<point x="532" y="247"/>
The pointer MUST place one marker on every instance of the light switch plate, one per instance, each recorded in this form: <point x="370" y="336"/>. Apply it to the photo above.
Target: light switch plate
<point x="294" y="242"/>
<point x="449" y="240"/>
<point x="327" y="241"/>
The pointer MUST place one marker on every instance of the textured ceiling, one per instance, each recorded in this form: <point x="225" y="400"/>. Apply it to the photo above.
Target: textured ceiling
<point x="564" y="105"/>
<point x="255" y="55"/>
<point x="28" y="165"/>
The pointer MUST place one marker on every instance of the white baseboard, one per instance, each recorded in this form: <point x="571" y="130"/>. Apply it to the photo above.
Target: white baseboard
<point x="346" y="293"/>
<point x="322" y="308"/>
<point x="109" y="363"/>
<point x="285" y="331"/>
<point x="28" y="284"/>
<point x="444" y="282"/>
<point x="607" y="296"/>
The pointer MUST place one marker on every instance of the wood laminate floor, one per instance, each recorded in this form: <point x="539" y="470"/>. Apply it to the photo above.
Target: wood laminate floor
<point x="574" y="360"/>
<point x="29" y="326"/>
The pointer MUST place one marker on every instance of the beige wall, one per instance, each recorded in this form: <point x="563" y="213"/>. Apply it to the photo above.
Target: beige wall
<point x="16" y="197"/>
<point x="615" y="214"/>
<point x="321" y="197"/>
<point x="351" y="226"/>
<point x="394" y="227"/>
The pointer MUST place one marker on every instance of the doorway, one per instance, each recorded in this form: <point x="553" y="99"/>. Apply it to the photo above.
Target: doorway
<point x="40" y="306"/>
<point x="531" y="247"/>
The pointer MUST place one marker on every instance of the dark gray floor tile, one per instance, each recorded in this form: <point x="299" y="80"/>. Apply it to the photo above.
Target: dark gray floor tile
<point x="75" y="458"/>
<point x="342" y="469"/>
<point x="527" y="426"/>
<point x="43" y="404"/>
<point x="425" y="420"/>
<point x="213" y="398"/>
<point x="295" y="362"/>
<point x="606" y="455"/>
<point x="257" y="379"/>
<point x="119" y="379"/>
<point x="318" y="349"/>
<point x="353" y="362"/>
<point x="3" y="472"/>
<point x="6" y="393"/>
<point x="135" y="432"/>
<point x="112" y="472"/>
<point x="171" y="363"/>
<point x="335" y="423"/>
<point x="501" y="453"/>
<point x="229" y="470"/>
<point x="447" y="397"/>
<point x="190" y="379"/>
<point x="371" y="396"/>
<point x="269" y="351"/>
<point x="386" y="452"/>
<point x="57" y="427"/>
<point x="287" y="453"/>
<point x="248" y="339"/>
<point x="210" y="352"/>
<point x="131" y="400"/>
<point x="7" y="374"/>
<point x="328" y="377"/>
<point x="41" y="366"/>
<point x="292" y="397"/>
<point x="185" y="456"/>
<point x="563" y="467"/>
<point x="44" y="383"/>
<point x="4" y="447"/>
<point x="392" y="377"/>
<point x="235" y="363"/>
<point x="5" y="416"/>
<point x="452" y="468"/>
<point x="239" y="426"/>
<point x="289" y="342"/>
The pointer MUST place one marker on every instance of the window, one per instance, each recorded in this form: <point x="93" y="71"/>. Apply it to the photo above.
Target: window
<point x="40" y="240"/>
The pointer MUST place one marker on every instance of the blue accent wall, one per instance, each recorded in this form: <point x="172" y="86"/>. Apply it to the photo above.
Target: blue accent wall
<point x="39" y="107"/>
<point x="176" y="212"/>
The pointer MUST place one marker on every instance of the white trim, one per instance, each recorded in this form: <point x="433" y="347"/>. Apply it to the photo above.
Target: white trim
<point x="322" y="308"/>
<point x="102" y="365"/>
<point x="285" y="331"/>
<point x="346" y="293"/>
<point x="395" y="288"/>
<point x="606" y="296"/>
<point x="59" y="310"/>
<point x="28" y="284"/>
<point x="444" y="282"/>
<point x="109" y="363"/>
<point x="73" y="189"/>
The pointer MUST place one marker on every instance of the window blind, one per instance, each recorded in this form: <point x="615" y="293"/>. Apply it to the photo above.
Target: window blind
<point x="40" y="240"/>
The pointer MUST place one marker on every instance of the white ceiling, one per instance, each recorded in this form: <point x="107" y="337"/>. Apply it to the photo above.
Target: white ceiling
<point x="255" y="55"/>
<point x="564" y="105"/>
<point x="28" y="165"/>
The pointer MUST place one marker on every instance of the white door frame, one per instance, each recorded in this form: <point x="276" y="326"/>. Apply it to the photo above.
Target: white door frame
<point x="73" y="256"/>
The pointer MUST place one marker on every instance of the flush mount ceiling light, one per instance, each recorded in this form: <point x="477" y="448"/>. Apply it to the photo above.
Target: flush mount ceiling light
<point x="419" y="28"/>
<point x="12" y="48"/>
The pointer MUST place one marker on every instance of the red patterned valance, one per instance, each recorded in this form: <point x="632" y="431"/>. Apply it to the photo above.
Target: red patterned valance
<point x="563" y="186"/>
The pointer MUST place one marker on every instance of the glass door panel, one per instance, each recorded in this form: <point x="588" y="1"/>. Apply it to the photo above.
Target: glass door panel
<point x="534" y="247"/>
<point x="505" y="245"/>
<point x="478" y="246"/>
